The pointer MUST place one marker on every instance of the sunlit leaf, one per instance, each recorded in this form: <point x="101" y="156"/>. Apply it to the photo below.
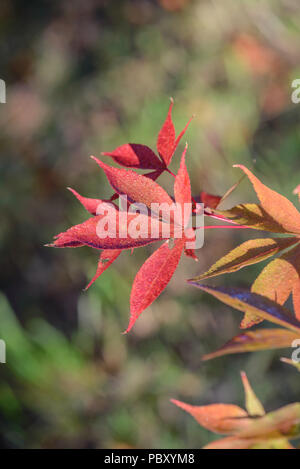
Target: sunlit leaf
<point x="135" y="155"/>
<point x="246" y="301"/>
<point x="252" y="341"/>
<point x="277" y="281"/>
<point x="218" y="418"/>
<point x="91" y="205"/>
<point x="153" y="277"/>
<point x="182" y="185"/>
<point x="278" y="207"/>
<point x="106" y="258"/>
<point x="285" y="421"/>
<point x="254" y="216"/>
<point x="253" y="405"/>
<point x="166" y="140"/>
<point x="253" y="429"/>
<point x="182" y="190"/>
<point x="89" y="233"/>
<point x="250" y="252"/>
<point x="136" y="187"/>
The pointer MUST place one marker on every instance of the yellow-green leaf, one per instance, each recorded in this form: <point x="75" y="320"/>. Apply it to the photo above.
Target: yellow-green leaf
<point x="250" y="252"/>
<point x="253" y="405"/>
<point x="285" y="421"/>
<point x="254" y="216"/>
<point x="252" y="341"/>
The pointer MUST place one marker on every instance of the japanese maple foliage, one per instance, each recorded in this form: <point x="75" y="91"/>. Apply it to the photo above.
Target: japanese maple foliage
<point x="135" y="155"/>
<point x="158" y="270"/>
<point x="108" y="230"/>
<point x="277" y="281"/>
<point x="250" y="428"/>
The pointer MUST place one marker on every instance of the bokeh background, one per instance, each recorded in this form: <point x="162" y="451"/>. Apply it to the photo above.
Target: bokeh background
<point x="83" y="77"/>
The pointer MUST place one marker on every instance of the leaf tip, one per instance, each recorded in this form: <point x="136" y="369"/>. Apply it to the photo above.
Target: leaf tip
<point x="73" y="191"/>
<point x="244" y="377"/>
<point x="99" y="162"/>
<point x="205" y="357"/>
<point x="182" y="405"/>
<point x="190" y="280"/>
<point x="287" y="360"/>
<point x="178" y="403"/>
<point x="87" y="287"/>
<point x="129" y="327"/>
<point x="174" y="401"/>
<point x="296" y="190"/>
<point x="94" y="158"/>
<point x="243" y="168"/>
<point x="194" y="282"/>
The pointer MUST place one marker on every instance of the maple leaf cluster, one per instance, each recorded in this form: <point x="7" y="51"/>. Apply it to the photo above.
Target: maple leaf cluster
<point x="253" y="428"/>
<point x="250" y="428"/>
<point x="277" y="281"/>
<point x="157" y="271"/>
<point x="274" y="214"/>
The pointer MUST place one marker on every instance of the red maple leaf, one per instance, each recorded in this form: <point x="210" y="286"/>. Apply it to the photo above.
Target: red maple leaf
<point x="135" y="155"/>
<point x="157" y="271"/>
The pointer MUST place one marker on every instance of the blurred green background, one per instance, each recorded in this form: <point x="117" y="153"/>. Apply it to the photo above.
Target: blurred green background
<point x="84" y="77"/>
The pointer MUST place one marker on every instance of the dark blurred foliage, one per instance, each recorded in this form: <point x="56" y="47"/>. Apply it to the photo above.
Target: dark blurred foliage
<point x="83" y="77"/>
